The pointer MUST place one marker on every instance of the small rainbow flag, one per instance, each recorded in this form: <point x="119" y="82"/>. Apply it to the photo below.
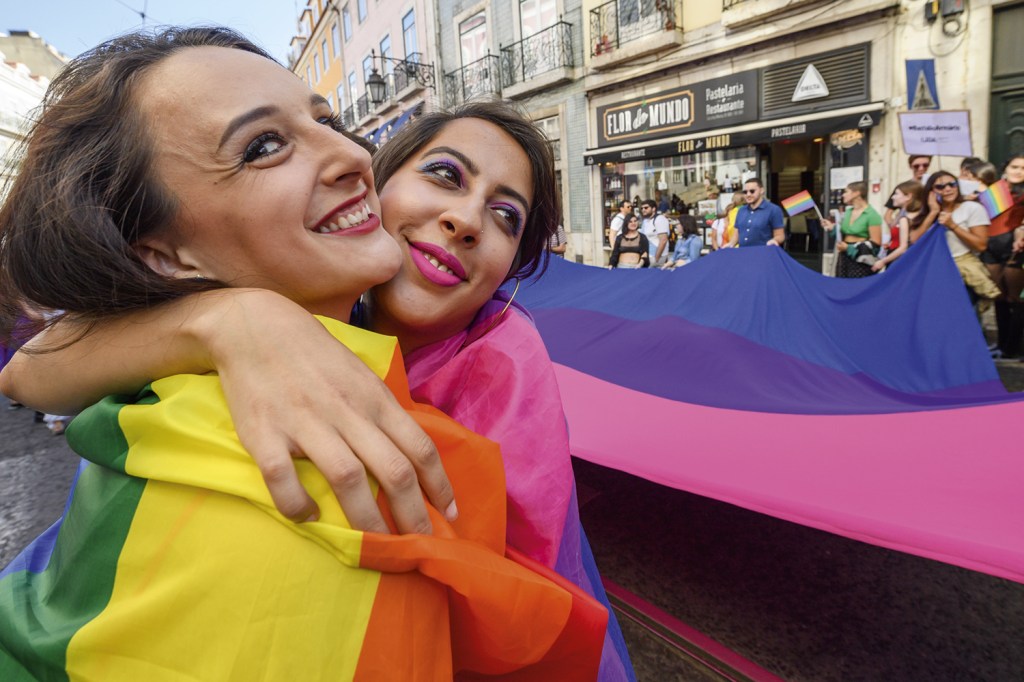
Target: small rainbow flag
<point x="798" y="203"/>
<point x="997" y="198"/>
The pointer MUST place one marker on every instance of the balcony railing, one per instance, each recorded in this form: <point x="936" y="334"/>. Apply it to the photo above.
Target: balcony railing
<point x="482" y="77"/>
<point x="726" y="4"/>
<point x="620" y="21"/>
<point x="348" y="118"/>
<point x="534" y="55"/>
<point x="363" y="107"/>
<point x="411" y="71"/>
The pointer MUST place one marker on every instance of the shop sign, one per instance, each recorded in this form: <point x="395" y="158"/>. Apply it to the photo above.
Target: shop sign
<point x="709" y="104"/>
<point x="697" y="144"/>
<point x="811" y="86"/>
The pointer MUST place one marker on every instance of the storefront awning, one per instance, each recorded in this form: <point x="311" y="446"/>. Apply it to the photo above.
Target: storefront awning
<point x="762" y="132"/>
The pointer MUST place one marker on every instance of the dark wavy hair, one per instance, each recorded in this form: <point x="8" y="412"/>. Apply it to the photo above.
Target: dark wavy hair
<point x="929" y="186"/>
<point x="545" y="213"/>
<point x="1015" y="189"/>
<point x="85" y="191"/>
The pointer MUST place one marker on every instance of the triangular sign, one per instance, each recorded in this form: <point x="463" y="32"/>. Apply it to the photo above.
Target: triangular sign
<point x="923" y="97"/>
<point x="811" y="85"/>
<point x="865" y="121"/>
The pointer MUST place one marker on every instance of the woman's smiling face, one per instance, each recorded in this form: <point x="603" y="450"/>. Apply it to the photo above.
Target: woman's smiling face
<point x="457" y="208"/>
<point x="1014" y="172"/>
<point x="269" y="193"/>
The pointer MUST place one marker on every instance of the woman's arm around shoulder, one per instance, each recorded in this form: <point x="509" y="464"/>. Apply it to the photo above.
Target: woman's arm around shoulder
<point x="293" y="390"/>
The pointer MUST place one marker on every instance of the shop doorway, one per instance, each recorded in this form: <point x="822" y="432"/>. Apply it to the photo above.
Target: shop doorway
<point x="797" y="165"/>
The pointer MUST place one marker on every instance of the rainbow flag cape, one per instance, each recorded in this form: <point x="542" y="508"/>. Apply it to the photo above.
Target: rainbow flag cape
<point x="867" y="407"/>
<point x="798" y="203"/>
<point x="172" y="563"/>
<point x="996" y="198"/>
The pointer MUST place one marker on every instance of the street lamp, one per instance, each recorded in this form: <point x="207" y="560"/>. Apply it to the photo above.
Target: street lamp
<point x="375" y="84"/>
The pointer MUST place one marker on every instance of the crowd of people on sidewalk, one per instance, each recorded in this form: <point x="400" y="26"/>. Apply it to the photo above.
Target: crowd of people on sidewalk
<point x="985" y="239"/>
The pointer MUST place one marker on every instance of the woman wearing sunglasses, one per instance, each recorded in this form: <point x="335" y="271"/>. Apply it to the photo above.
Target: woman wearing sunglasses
<point x="966" y="224"/>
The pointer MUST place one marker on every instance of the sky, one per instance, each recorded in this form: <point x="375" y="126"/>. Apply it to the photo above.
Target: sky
<point x="73" y="26"/>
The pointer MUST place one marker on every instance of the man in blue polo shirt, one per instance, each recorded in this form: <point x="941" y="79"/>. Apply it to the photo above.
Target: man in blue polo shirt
<point x="758" y="221"/>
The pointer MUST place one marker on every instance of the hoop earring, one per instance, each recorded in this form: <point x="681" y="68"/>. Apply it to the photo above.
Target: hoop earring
<point x="497" y="318"/>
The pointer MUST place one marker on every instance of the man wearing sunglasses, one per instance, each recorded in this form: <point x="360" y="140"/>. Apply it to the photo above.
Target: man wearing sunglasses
<point x="759" y="221"/>
<point x="919" y="167"/>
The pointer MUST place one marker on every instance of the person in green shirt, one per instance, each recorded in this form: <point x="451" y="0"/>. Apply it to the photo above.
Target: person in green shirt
<point x="861" y="230"/>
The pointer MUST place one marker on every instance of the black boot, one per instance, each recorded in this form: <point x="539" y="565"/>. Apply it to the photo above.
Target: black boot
<point x="1015" y="331"/>
<point x="1002" y="324"/>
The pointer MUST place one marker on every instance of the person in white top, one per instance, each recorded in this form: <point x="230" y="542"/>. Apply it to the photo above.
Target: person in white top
<point x="655" y="228"/>
<point x="625" y="209"/>
<point x="966" y="224"/>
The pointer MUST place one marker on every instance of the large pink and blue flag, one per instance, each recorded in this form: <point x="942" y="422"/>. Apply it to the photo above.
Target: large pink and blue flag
<point x="867" y="407"/>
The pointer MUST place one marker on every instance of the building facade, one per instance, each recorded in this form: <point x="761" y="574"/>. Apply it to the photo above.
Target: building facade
<point x="371" y="59"/>
<point x="530" y="52"/>
<point x="675" y="98"/>
<point x="689" y="99"/>
<point x="24" y="75"/>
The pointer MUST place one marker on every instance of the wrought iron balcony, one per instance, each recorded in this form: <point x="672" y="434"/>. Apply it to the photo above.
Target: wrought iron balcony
<point x="348" y="118"/>
<point x="538" y="54"/>
<point x="620" y="21"/>
<point x="400" y="76"/>
<point x="476" y="79"/>
<point x="363" y="107"/>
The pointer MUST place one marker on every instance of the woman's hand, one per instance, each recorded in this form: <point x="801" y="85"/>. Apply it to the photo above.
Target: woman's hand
<point x="827" y="224"/>
<point x="841" y="247"/>
<point x="933" y="202"/>
<point x="877" y="266"/>
<point x="946" y="220"/>
<point x="295" y="391"/>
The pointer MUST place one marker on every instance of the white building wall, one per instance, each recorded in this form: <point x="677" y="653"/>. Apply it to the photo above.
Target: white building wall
<point x="20" y="95"/>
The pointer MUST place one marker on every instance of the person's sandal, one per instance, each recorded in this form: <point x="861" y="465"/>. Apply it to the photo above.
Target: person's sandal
<point x="56" y="428"/>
